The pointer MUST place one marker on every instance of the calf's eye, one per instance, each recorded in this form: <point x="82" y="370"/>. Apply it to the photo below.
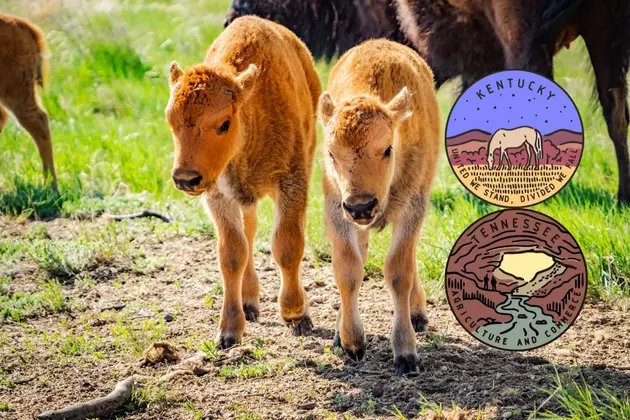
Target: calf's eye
<point x="331" y="157"/>
<point x="387" y="153"/>
<point x="224" y="127"/>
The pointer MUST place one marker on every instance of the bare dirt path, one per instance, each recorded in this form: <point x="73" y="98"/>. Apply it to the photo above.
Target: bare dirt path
<point x="294" y="376"/>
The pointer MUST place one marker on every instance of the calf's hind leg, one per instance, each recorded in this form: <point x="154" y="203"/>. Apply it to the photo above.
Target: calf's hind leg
<point x="35" y="120"/>
<point x="233" y="248"/>
<point x="288" y="249"/>
<point x="251" y="289"/>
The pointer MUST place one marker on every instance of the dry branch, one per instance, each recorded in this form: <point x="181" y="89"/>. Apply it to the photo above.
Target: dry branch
<point x="145" y="213"/>
<point x="100" y="407"/>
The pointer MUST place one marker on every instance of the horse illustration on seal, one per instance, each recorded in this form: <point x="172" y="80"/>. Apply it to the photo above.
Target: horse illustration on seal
<point x="504" y="139"/>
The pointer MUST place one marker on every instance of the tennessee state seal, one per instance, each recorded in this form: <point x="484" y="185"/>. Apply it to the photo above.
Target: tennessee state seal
<point x="516" y="279"/>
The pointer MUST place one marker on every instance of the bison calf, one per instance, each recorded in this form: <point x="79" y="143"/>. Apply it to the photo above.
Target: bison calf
<point x="243" y="124"/>
<point x="382" y="128"/>
<point x="22" y="63"/>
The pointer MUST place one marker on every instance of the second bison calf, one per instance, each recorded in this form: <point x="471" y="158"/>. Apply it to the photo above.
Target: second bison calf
<point x="381" y="139"/>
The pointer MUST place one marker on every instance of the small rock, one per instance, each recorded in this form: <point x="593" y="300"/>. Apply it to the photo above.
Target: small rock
<point x="336" y="305"/>
<point x="316" y="300"/>
<point x="240" y="351"/>
<point x="626" y="343"/>
<point x="506" y="415"/>
<point x="563" y="352"/>
<point x="320" y="283"/>
<point x="599" y="336"/>
<point x="169" y="318"/>
<point x="145" y="313"/>
<point x="375" y="339"/>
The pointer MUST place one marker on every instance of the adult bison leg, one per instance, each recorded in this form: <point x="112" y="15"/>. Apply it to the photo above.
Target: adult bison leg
<point x="251" y="289"/>
<point x="348" y="250"/>
<point x="610" y="66"/>
<point x="288" y="249"/>
<point x="400" y="275"/>
<point x="233" y="254"/>
<point x="4" y="117"/>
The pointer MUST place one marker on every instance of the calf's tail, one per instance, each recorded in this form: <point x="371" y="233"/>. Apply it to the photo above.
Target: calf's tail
<point x="42" y="64"/>
<point x="538" y="144"/>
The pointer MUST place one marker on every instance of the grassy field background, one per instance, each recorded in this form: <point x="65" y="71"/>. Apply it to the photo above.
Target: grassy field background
<point x="106" y="93"/>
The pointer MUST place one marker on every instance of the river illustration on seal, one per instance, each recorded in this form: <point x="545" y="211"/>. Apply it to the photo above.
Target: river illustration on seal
<point x="516" y="279"/>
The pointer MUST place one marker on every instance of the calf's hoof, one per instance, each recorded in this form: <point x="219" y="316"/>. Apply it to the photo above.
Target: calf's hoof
<point x="225" y="341"/>
<point x="301" y="326"/>
<point x="251" y="312"/>
<point x="354" y="352"/>
<point x="420" y="322"/>
<point x="406" y="363"/>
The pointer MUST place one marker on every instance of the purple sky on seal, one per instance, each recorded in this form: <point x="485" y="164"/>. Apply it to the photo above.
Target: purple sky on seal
<point x="514" y="106"/>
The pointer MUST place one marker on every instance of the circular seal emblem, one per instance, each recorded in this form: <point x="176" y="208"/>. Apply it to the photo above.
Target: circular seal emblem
<point x="516" y="279"/>
<point x="514" y="138"/>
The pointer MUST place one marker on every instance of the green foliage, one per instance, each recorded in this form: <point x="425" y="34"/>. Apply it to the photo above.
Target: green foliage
<point x="579" y="400"/>
<point x="243" y="371"/>
<point x="209" y="347"/>
<point x="18" y="306"/>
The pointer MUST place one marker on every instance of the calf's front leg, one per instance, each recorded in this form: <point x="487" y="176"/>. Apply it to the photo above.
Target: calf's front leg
<point x="402" y="279"/>
<point x="349" y="252"/>
<point x="233" y="256"/>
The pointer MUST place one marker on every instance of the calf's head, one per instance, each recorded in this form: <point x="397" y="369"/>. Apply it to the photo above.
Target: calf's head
<point x="203" y="114"/>
<point x="360" y="150"/>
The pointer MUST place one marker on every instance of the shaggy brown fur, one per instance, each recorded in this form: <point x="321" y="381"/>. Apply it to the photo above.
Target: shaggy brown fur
<point x="243" y="126"/>
<point x="328" y="27"/>
<point x="473" y="38"/>
<point x="22" y="66"/>
<point x="382" y="134"/>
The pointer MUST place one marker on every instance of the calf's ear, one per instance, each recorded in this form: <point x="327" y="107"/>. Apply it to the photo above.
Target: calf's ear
<point x="246" y="80"/>
<point x="400" y="106"/>
<point x="174" y="74"/>
<point x="326" y="108"/>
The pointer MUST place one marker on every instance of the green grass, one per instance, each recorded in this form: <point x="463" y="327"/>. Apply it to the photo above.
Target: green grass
<point x="106" y="96"/>
<point x="19" y="306"/>
<point x="579" y="400"/>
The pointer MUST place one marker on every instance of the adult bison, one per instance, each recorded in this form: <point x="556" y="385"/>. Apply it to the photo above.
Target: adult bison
<point x="470" y="38"/>
<point x="243" y="125"/>
<point x="473" y="38"/>
<point x="382" y="129"/>
<point x="328" y="27"/>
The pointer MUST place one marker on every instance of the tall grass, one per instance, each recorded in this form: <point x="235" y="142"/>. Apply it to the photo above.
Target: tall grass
<point x="106" y="95"/>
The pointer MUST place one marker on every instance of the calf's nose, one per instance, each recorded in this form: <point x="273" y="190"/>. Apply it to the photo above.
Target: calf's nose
<point x="360" y="209"/>
<point x="186" y="179"/>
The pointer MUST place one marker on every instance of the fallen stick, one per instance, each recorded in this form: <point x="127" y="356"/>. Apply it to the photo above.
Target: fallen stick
<point x="105" y="406"/>
<point x="100" y="407"/>
<point x="145" y="213"/>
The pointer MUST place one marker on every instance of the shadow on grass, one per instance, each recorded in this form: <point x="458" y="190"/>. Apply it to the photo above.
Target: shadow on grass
<point x="31" y="200"/>
<point x="455" y="373"/>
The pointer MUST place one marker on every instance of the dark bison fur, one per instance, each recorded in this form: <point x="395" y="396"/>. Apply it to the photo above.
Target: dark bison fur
<point x="328" y="27"/>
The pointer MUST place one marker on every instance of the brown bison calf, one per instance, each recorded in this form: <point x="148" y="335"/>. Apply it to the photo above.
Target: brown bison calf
<point x="22" y="62"/>
<point x="243" y="124"/>
<point x="382" y="128"/>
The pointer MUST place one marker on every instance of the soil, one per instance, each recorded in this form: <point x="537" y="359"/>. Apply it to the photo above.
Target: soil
<point x="305" y="380"/>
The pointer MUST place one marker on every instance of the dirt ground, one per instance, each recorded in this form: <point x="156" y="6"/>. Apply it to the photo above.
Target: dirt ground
<point x="303" y="377"/>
